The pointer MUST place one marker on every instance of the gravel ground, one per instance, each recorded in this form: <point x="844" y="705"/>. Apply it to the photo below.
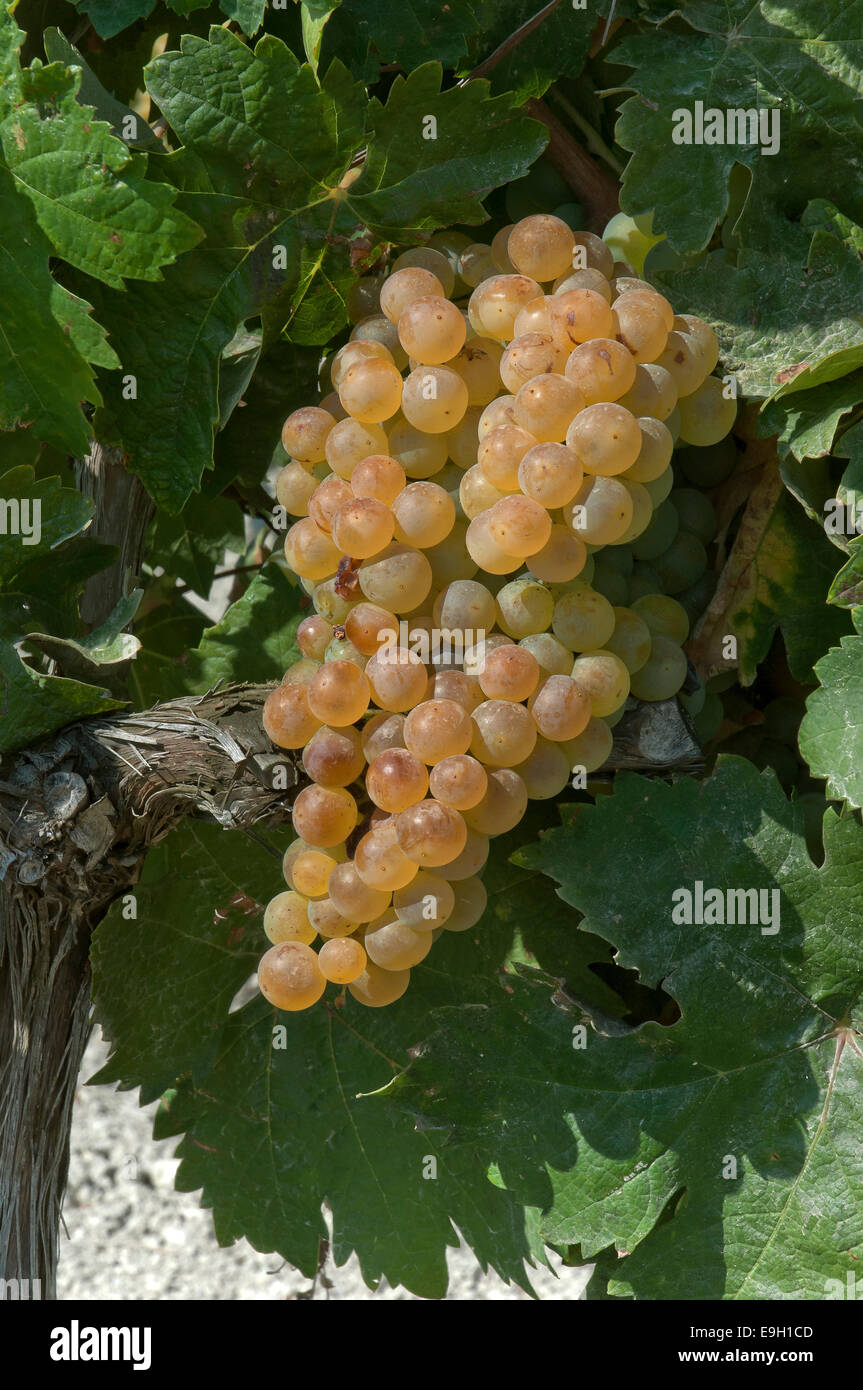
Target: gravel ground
<point x="129" y="1235"/>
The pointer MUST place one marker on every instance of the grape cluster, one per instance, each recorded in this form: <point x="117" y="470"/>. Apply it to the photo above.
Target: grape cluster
<point x="493" y="466"/>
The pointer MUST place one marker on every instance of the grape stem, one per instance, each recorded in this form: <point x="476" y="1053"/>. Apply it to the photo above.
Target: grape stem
<point x="596" y="189"/>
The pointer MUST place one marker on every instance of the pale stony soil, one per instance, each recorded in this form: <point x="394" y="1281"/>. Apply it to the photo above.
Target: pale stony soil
<point x="129" y="1235"/>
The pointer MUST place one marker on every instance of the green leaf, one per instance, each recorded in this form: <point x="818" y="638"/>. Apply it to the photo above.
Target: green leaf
<point x="785" y="586"/>
<point x="831" y="734"/>
<point x="91" y="93"/>
<point x="109" y="17"/>
<point x="412" y="182"/>
<point x="276" y="232"/>
<point x="43" y="375"/>
<point x="91" y="197"/>
<point x="308" y="1130"/>
<point x="846" y="591"/>
<point x="608" y="1134"/>
<point x="285" y="378"/>
<point x="75" y="317"/>
<point x="742" y="56"/>
<point x="806" y="421"/>
<point x="33" y="705"/>
<point x="256" y="639"/>
<point x="106" y="645"/>
<point x="193" y="544"/>
<point x="780" y="312"/>
<point x="315" y="15"/>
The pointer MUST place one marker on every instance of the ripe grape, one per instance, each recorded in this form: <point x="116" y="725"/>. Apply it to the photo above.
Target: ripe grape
<point x="380" y="861"/>
<point x="353" y="898"/>
<point x="639" y="324"/>
<point x="362" y="527"/>
<point x="502" y="806"/>
<point x="378" y="329"/>
<point x="519" y="525"/>
<point x="431" y="330"/>
<point x="524" y="606"/>
<point x="356" y="351"/>
<point x="314" y="635"/>
<point x="562" y="557"/>
<point x="496" y="302"/>
<point x="382" y="731"/>
<point x="342" y="960"/>
<point x="324" y="816"/>
<point x="591" y="748"/>
<point x="461" y="442"/>
<point x="287" y="717"/>
<point x="541" y="247"/>
<point x="397" y="578"/>
<point x="528" y="356"/>
<point x="683" y="359"/>
<point x="376" y="987"/>
<point x="652" y="393"/>
<point x="604" y="677"/>
<point x="396" y="778"/>
<point x="427" y="258"/>
<point x="290" y="977"/>
<point x="497" y="412"/>
<point x="304" y="434"/>
<point x="546" y="406"/>
<point x="327" y="499"/>
<point x="500" y="453"/>
<point x="593" y="254"/>
<point x="430" y="833"/>
<point x="484" y="549"/>
<point x="601" y="511"/>
<point x="294" y="487"/>
<point x="504" y="733"/>
<point x="705" y="338"/>
<point x="560" y="708"/>
<point x="587" y="279"/>
<point x="437" y="729"/>
<point x="339" y="693"/>
<point x="654" y="454"/>
<point x="478" y="364"/>
<point x="350" y="441"/>
<point x="459" y="781"/>
<point x="476" y="263"/>
<point x="401" y="288"/>
<point x="476" y="494"/>
<point x="309" y="551"/>
<point x="535" y="317"/>
<point x="371" y="391"/>
<point x="509" y="673"/>
<point x="378" y="476"/>
<point x="310" y="871"/>
<point x="397" y="678"/>
<point x="577" y="315"/>
<point x="545" y="772"/>
<point x="603" y="370"/>
<point x="606" y="438"/>
<point x="425" y="903"/>
<point x="470" y="861"/>
<point x="334" y="757"/>
<point x="470" y="904"/>
<point x="434" y="399"/>
<point x="395" y="946"/>
<point x="552" y="656"/>
<point x="707" y="414"/>
<point x="286" y="919"/>
<point x="423" y="514"/>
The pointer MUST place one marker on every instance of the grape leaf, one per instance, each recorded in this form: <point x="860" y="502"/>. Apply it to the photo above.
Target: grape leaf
<point x="193" y="544"/>
<point x="256" y="638"/>
<point x="109" y="17"/>
<point x="309" y="1128"/>
<point x="33" y="705"/>
<point x="412" y="182"/>
<point x="107" y="645"/>
<point x="806" y="421"/>
<point x="91" y="197"/>
<point x="779" y="312"/>
<point x="275" y="229"/>
<point x="92" y="93"/>
<point x="753" y="1072"/>
<point x="742" y="56"/>
<point x="831" y="734"/>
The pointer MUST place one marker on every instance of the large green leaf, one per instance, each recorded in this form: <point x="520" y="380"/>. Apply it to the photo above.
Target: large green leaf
<point x="272" y="1132"/>
<point x="831" y="734"/>
<point x="33" y="705"/>
<point x="806" y="421"/>
<point x="779" y="312"/>
<point x="742" y="56"/>
<point x="277" y="234"/>
<point x="256" y="639"/>
<point x="751" y="1102"/>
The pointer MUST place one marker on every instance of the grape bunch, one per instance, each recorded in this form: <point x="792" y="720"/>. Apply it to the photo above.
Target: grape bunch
<point x="489" y="534"/>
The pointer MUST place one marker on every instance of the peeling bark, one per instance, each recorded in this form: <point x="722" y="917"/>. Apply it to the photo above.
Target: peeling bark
<point x="77" y="816"/>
